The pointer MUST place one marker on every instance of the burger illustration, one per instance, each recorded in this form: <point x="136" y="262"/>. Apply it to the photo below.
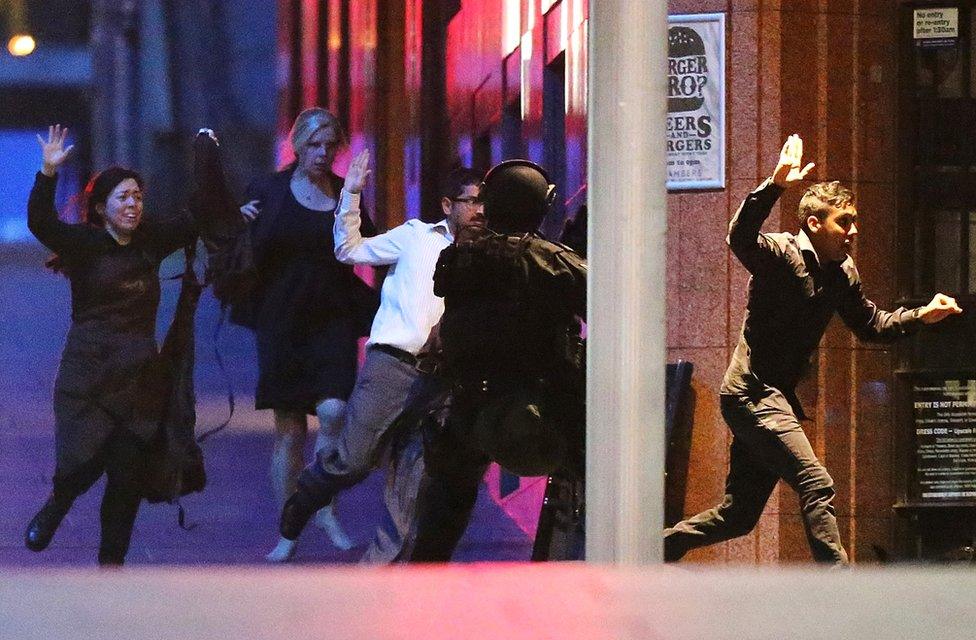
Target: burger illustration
<point x="686" y="65"/>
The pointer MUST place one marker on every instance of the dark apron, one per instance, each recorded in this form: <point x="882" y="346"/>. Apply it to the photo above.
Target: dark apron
<point x="99" y="389"/>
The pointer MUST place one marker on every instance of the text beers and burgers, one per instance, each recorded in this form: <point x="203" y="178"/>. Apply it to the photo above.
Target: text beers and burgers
<point x="687" y="78"/>
<point x="694" y="133"/>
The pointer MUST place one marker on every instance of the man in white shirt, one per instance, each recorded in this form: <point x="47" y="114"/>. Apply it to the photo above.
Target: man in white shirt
<point x="388" y="382"/>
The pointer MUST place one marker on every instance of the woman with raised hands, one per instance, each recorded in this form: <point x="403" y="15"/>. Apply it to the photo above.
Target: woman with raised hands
<point x="103" y="423"/>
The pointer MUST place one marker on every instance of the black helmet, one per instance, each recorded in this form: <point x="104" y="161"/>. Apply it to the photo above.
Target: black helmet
<point x="517" y="195"/>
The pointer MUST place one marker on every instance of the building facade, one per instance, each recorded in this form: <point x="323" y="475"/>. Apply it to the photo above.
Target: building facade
<point x="429" y="84"/>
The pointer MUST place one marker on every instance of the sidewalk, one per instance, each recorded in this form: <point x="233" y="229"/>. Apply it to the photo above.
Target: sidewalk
<point x="235" y="518"/>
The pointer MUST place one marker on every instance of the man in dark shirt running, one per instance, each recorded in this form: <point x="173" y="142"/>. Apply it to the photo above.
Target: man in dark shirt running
<point x="797" y="284"/>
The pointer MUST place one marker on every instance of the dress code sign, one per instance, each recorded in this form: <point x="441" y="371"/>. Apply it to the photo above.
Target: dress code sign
<point x="696" y="102"/>
<point x="945" y="440"/>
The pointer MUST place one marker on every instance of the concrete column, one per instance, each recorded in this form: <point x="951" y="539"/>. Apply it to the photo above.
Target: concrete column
<point x="626" y="319"/>
<point x="114" y="36"/>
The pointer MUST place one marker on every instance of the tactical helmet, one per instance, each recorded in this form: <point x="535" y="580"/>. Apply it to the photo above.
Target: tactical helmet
<point x="517" y="195"/>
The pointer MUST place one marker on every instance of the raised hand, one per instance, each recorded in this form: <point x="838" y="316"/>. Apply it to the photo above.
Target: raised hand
<point x="210" y="134"/>
<point x="788" y="170"/>
<point x="941" y="307"/>
<point x="358" y="172"/>
<point x="53" y="153"/>
<point x="250" y="210"/>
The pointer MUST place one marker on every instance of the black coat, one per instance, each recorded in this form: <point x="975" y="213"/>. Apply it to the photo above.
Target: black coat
<point x="111" y="344"/>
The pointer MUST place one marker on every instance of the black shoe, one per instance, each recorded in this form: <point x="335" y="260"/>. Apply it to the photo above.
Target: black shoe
<point x="296" y="513"/>
<point x="110" y="558"/>
<point x="41" y="529"/>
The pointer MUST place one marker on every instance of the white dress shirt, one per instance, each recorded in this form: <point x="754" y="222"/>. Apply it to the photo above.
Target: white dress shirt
<point x="408" y="306"/>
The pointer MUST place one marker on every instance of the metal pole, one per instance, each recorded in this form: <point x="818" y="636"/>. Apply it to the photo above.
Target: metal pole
<point x="626" y="319"/>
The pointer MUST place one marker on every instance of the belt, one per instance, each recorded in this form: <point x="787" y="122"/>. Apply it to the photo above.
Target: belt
<point x="403" y="356"/>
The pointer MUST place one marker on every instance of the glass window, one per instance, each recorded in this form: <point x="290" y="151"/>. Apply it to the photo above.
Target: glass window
<point x="939" y="144"/>
<point x="946" y="256"/>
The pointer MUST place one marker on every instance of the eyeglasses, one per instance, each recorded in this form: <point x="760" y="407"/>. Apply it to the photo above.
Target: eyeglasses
<point x="468" y="200"/>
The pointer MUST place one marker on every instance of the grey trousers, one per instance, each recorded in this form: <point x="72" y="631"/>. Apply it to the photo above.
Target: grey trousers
<point x="385" y="387"/>
<point x="768" y="444"/>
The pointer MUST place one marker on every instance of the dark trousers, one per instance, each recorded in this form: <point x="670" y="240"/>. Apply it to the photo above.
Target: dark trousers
<point x="121" y="459"/>
<point x="454" y="467"/>
<point x="534" y="430"/>
<point x="768" y="444"/>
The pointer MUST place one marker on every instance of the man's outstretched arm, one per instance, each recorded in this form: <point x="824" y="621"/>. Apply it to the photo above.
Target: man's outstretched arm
<point x="754" y="250"/>
<point x="871" y="324"/>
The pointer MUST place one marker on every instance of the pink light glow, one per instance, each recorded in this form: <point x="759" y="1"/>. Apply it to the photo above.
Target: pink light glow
<point x="523" y="505"/>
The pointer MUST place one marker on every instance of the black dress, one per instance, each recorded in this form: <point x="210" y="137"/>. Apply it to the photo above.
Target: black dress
<point x="111" y="343"/>
<point x="310" y="309"/>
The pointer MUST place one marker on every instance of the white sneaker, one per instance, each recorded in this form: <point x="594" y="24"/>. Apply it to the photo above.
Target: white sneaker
<point x="283" y="551"/>
<point x="327" y="520"/>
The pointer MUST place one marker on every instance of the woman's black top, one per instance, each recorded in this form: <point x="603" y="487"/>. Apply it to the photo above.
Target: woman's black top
<point x="310" y="309"/>
<point x="114" y="299"/>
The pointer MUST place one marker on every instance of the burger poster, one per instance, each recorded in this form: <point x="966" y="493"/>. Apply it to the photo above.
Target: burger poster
<point x="696" y="101"/>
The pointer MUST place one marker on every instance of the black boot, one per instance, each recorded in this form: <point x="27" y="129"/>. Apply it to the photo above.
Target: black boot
<point x="41" y="529"/>
<point x="315" y="490"/>
<point x="298" y="509"/>
<point x="110" y="558"/>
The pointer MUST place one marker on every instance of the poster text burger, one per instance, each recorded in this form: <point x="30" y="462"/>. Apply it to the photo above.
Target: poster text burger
<point x="687" y="79"/>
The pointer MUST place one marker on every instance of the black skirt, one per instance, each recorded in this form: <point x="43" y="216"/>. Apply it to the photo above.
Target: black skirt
<point x="299" y="369"/>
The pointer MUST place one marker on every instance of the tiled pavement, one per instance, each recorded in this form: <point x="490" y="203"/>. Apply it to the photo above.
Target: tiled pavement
<point x="234" y="518"/>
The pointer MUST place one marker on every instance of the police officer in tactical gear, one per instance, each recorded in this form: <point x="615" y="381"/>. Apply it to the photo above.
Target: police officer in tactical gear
<point x="510" y="339"/>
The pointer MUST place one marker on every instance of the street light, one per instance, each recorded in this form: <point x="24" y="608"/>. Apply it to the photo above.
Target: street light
<point x="21" y="44"/>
